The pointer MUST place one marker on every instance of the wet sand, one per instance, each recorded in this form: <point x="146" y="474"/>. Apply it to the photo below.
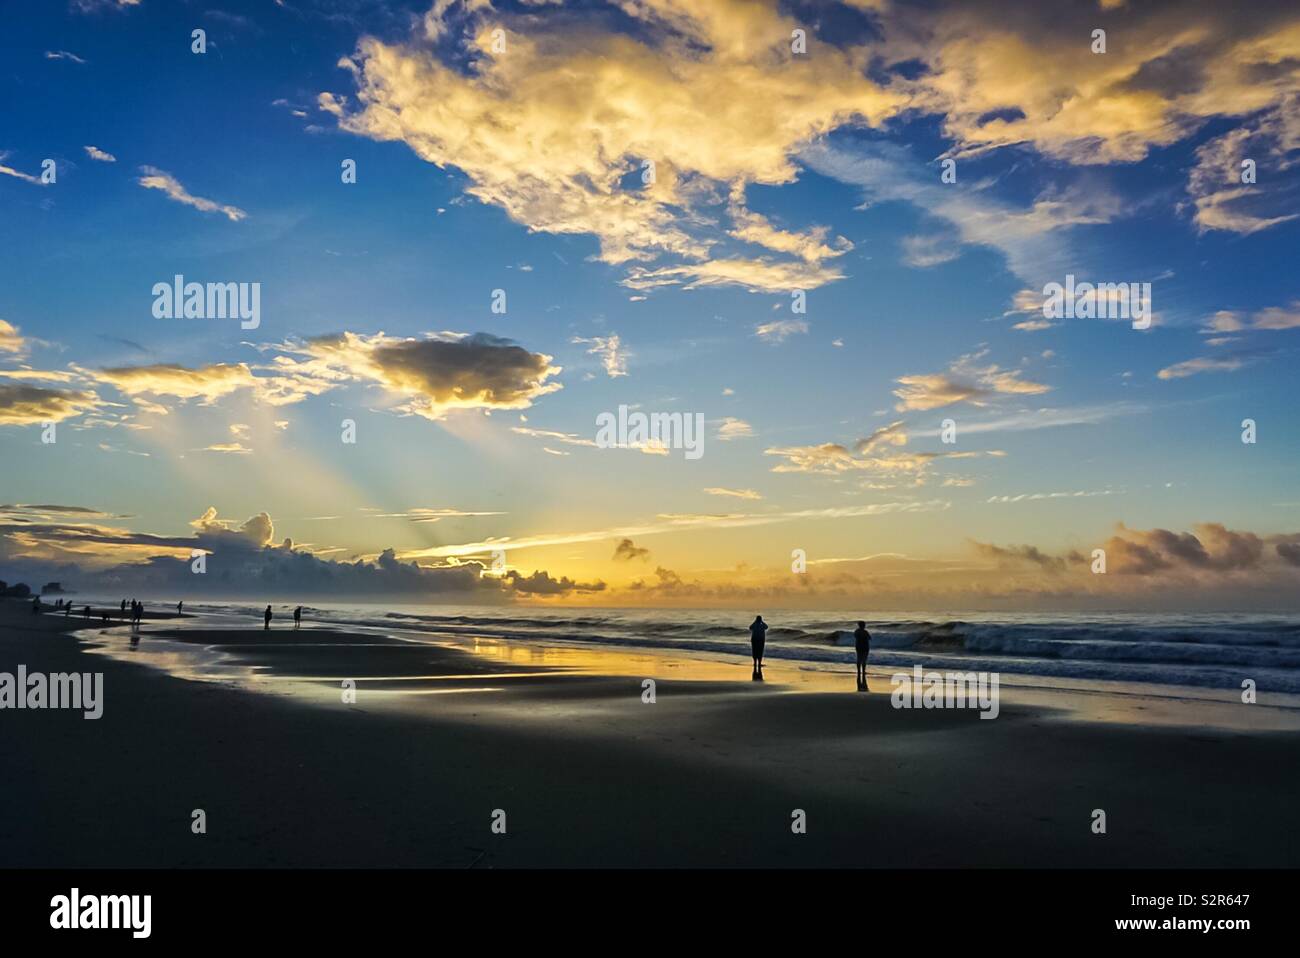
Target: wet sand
<point x="589" y="774"/>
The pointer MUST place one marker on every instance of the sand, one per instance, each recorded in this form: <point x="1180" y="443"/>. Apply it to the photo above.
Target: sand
<point x="590" y="775"/>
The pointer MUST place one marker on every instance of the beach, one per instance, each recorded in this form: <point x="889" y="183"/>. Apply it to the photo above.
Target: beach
<point x="256" y="729"/>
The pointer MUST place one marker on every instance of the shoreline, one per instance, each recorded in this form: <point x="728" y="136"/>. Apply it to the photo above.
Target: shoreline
<point x="591" y="775"/>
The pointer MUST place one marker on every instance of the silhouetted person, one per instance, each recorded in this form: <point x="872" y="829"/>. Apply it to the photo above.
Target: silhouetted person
<point x="757" y="639"/>
<point x="179" y="606"/>
<point x="86" y="613"/>
<point x="862" y="643"/>
<point x="297" y="617"/>
<point x="266" y="618"/>
<point x="124" y="606"/>
<point x="67" y="610"/>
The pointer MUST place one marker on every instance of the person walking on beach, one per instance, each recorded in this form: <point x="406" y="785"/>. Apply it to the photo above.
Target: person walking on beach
<point x="862" y="643"/>
<point x="179" y="606"/>
<point x="266" y="619"/>
<point x="67" y="609"/>
<point x="757" y="639"/>
<point x="124" y="607"/>
<point x="297" y="617"/>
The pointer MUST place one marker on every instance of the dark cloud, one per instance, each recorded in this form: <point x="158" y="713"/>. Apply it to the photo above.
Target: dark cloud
<point x="1017" y="554"/>
<point x="240" y="559"/>
<point x="25" y="405"/>
<point x="540" y="583"/>
<point x="627" y="550"/>
<point x="480" y="369"/>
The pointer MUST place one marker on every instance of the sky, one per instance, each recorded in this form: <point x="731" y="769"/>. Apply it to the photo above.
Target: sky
<point x="824" y="230"/>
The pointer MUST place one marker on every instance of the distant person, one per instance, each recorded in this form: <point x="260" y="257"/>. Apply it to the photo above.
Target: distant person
<point x="266" y="618"/>
<point x="67" y="610"/>
<point x="862" y="643"/>
<point x="86" y="612"/>
<point x="124" y="607"/>
<point x="757" y="639"/>
<point x="180" y="606"/>
<point x="297" y="617"/>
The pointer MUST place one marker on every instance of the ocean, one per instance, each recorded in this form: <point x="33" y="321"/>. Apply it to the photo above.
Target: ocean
<point x="1207" y="650"/>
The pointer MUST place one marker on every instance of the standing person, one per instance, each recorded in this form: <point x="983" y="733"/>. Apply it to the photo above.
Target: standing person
<point x="297" y="617"/>
<point x="266" y="618"/>
<point x="757" y="639"/>
<point x="124" y="607"/>
<point x="862" y="643"/>
<point x="179" y="606"/>
<point x="67" y="609"/>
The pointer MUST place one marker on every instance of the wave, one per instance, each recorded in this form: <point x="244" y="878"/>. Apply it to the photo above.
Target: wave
<point x="1216" y="650"/>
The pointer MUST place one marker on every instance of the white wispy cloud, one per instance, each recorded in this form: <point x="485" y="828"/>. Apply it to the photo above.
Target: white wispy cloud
<point x="156" y="179"/>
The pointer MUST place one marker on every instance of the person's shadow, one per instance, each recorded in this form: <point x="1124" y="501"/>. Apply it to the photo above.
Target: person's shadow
<point x="758" y="673"/>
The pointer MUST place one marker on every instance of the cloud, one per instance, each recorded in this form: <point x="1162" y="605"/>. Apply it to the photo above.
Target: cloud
<point x="779" y="330"/>
<point x="673" y="523"/>
<point x="26" y="405"/>
<point x="18" y="174"/>
<point x="430" y="377"/>
<point x="1212" y="547"/>
<point x="11" y="340"/>
<point x="922" y="252"/>
<point x="541" y="584"/>
<point x="1191" y="367"/>
<point x="1032" y="80"/>
<point x="1222" y="201"/>
<point x="1272" y="318"/>
<point x="1020" y="554"/>
<point x="557" y="129"/>
<point x="761" y="274"/>
<point x="155" y="179"/>
<point x="170" y="379"/>
<point x="235" y="448"/>
<point x="95" y="153"/>
<point x="734" y="493"/>
<point x="811" y="245"/>
<point x="732" y="428"/>
<point x="894" y="434"/>
<point x="964" y="381"/>
<point x="567" y="438"/>
<point x="94" y="6"/>
<point x="613" y="357"/>
<point x="1034" y="239"/>
<point x="422" y="514"/>
<point x="63" y="55"/>
<point x="243" y="559"/>
<point x="627" y="550"/>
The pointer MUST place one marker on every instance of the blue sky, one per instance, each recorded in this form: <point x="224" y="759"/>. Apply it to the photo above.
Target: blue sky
<point x="480" y="170"/>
